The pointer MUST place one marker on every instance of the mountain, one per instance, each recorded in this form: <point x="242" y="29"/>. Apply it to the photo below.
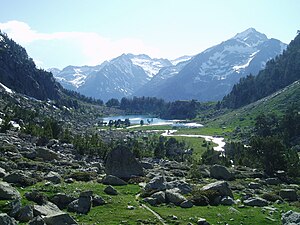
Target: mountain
<point x="210" y="75"/>
<point x="279" y="73"/>
<point x="117" y="78"/>
<point x="19" y="73"/>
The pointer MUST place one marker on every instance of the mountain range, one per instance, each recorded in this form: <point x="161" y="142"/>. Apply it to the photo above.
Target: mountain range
<point x="207" y="76"/>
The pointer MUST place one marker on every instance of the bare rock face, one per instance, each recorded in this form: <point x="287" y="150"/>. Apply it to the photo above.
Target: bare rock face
<point x="7" y="192"/>
<point x="121" y="163"/>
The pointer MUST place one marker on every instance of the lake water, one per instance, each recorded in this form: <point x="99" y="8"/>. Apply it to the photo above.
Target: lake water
<point x="136" y="119"/>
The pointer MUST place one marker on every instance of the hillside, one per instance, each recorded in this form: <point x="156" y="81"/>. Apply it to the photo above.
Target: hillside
<point x="279" y="72"/>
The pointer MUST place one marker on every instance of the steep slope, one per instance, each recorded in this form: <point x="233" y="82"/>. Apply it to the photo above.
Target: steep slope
<point x="279" y="73"/>
<point x="211" y="74"/>
<point x="19" y="73"/>
<point x="116" y="79"/>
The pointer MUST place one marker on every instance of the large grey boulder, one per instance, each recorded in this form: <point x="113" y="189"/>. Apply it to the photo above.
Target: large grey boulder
<point x="62" y="200"/>
<point x="25" y="214"/>
<point x="160" y="197"/>
<point x="81" y="205"/>
<point x="54" y="177"/>
<point x="46" y="209"/>
<point x="121" y="163"/>
<point x="157" y="183"/>
<point x="37" y="221"/>
<point x="59" y="219"/>
<point x="46" y="154"/>
<point x="256" y="201"/>
<point x="288" y="194"/>
<point x="221" y="187"/>
<point x="290" y="218"/>
<point x="227" y="201"/>
<point x="110" y="190"/>
<point x="186" y="204"/>
<point x="113" y="180"/>
<point x="7" y="192"/>
<point x="7" y="220"/>
<point x="183" y="186"/>
<point x="98" y="200"/>
<point x="19" y="178"/>
<point x="174" y="197"/>
<point x="220" y="172"/>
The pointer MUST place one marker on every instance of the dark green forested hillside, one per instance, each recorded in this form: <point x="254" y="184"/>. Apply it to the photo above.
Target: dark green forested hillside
<point x="279" y="73"/>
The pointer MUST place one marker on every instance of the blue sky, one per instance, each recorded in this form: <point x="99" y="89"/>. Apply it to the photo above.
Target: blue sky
<point x="58" y="33"/>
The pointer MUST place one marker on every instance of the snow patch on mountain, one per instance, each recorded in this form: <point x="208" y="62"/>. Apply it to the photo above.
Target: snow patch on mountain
<point x="180" y="59"/>
<point x="8" y="90"/>
<point x="239" y="67"/>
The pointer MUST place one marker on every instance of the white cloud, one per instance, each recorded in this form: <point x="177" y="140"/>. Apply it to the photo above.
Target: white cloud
<point x="93" y="47"/>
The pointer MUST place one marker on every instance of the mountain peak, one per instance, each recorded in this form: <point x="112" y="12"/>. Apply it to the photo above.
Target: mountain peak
<point x="250" y="32"/>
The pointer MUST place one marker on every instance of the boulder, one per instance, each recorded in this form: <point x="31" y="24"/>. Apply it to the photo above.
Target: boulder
<point x="62" y="200"/>
<point x="36" y="196"/>
<point x="288" y="194"/>
<point x="221" y="187"/>
<point x="2" y="172"/>
<point x="81" y="205"/>
<point x="25" y="214"/>
<point x="14" y="207"/>
<point x="46" y="154"/>
<point x="54" y="177"/>
<point x="183" y="186"/>
<point x="202" y="221"/>
<point x="272" y="181"/>
<point x="157" y="183"/>
<point x="46" y="209"/>
<point x="19" y="178"/>
<point x="59" y="219"/>
<point x="110" y="190"/>
<point x="256" y="201"/>
<point x="220" y="172"/>
<point x="7" y="192"/>
<point x="97" y="201"/>
<point x="186" y="204"/>
<point x="121" y="163"/>
<point x="227" y="201"/>
<point x="174" y="197"/>
<point x="254" y="185"/>
<point x="160" y="197"/>
<point x="37" y="221"/>
<point x="290" y="218"/>
<point x="7" y="220"/>
<point x="151" y="201"/>
<point x="113" y="180"/>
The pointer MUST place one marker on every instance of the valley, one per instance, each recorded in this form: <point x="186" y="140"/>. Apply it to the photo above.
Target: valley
<point x="194" y="155"/>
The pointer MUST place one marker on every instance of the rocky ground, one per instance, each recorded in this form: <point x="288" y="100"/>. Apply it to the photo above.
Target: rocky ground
<point x="24" y="164"/>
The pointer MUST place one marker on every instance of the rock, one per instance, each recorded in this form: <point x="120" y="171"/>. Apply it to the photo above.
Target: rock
<point x="147" y="165"/>
<point x="201" y="200"/>
<point x="36" y="196"/>
<point x="59" y="219"/>
<point x="121" y="163"/>
<point x="183" y="186"/>
<point x="227" y="201"/>
<point x="160" y="197"/>
<point x="7" y="192"/>
<point x="220" y="172"/>
<point x="15" y="207"/>
<point x="254" y="185"/>
<point x="130" y="207"/>
<point x="272" y="181"/>
<point x="19" y="178"/>
<point x="46" y="209"/>
<point x="62" y="200"/>
<point x="174" y="197"/>
<point x="81" y="205"/>
<point x="25" y="214"/>
<point x="7" y="220"/>
<point x="53" y="177"/>
<point x="113" y="180"/>
<point x="69" y="180"/>
<point x="46" y="154"/>
<point x="156" y="184"/>
<point x="2" y="172"/>
<point x="221" y="187"/>
<point x="256" y="201"/>
<point x="290" y="218"/>
<point x="151" y="201"/>
<point x="97" y="201"/>
<point x="186" y="204"/>
<point x="37" y="221"/>
<point x="110" y="190"/>
<point x="202" y="221"/>
<point x="288" y="194"/>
